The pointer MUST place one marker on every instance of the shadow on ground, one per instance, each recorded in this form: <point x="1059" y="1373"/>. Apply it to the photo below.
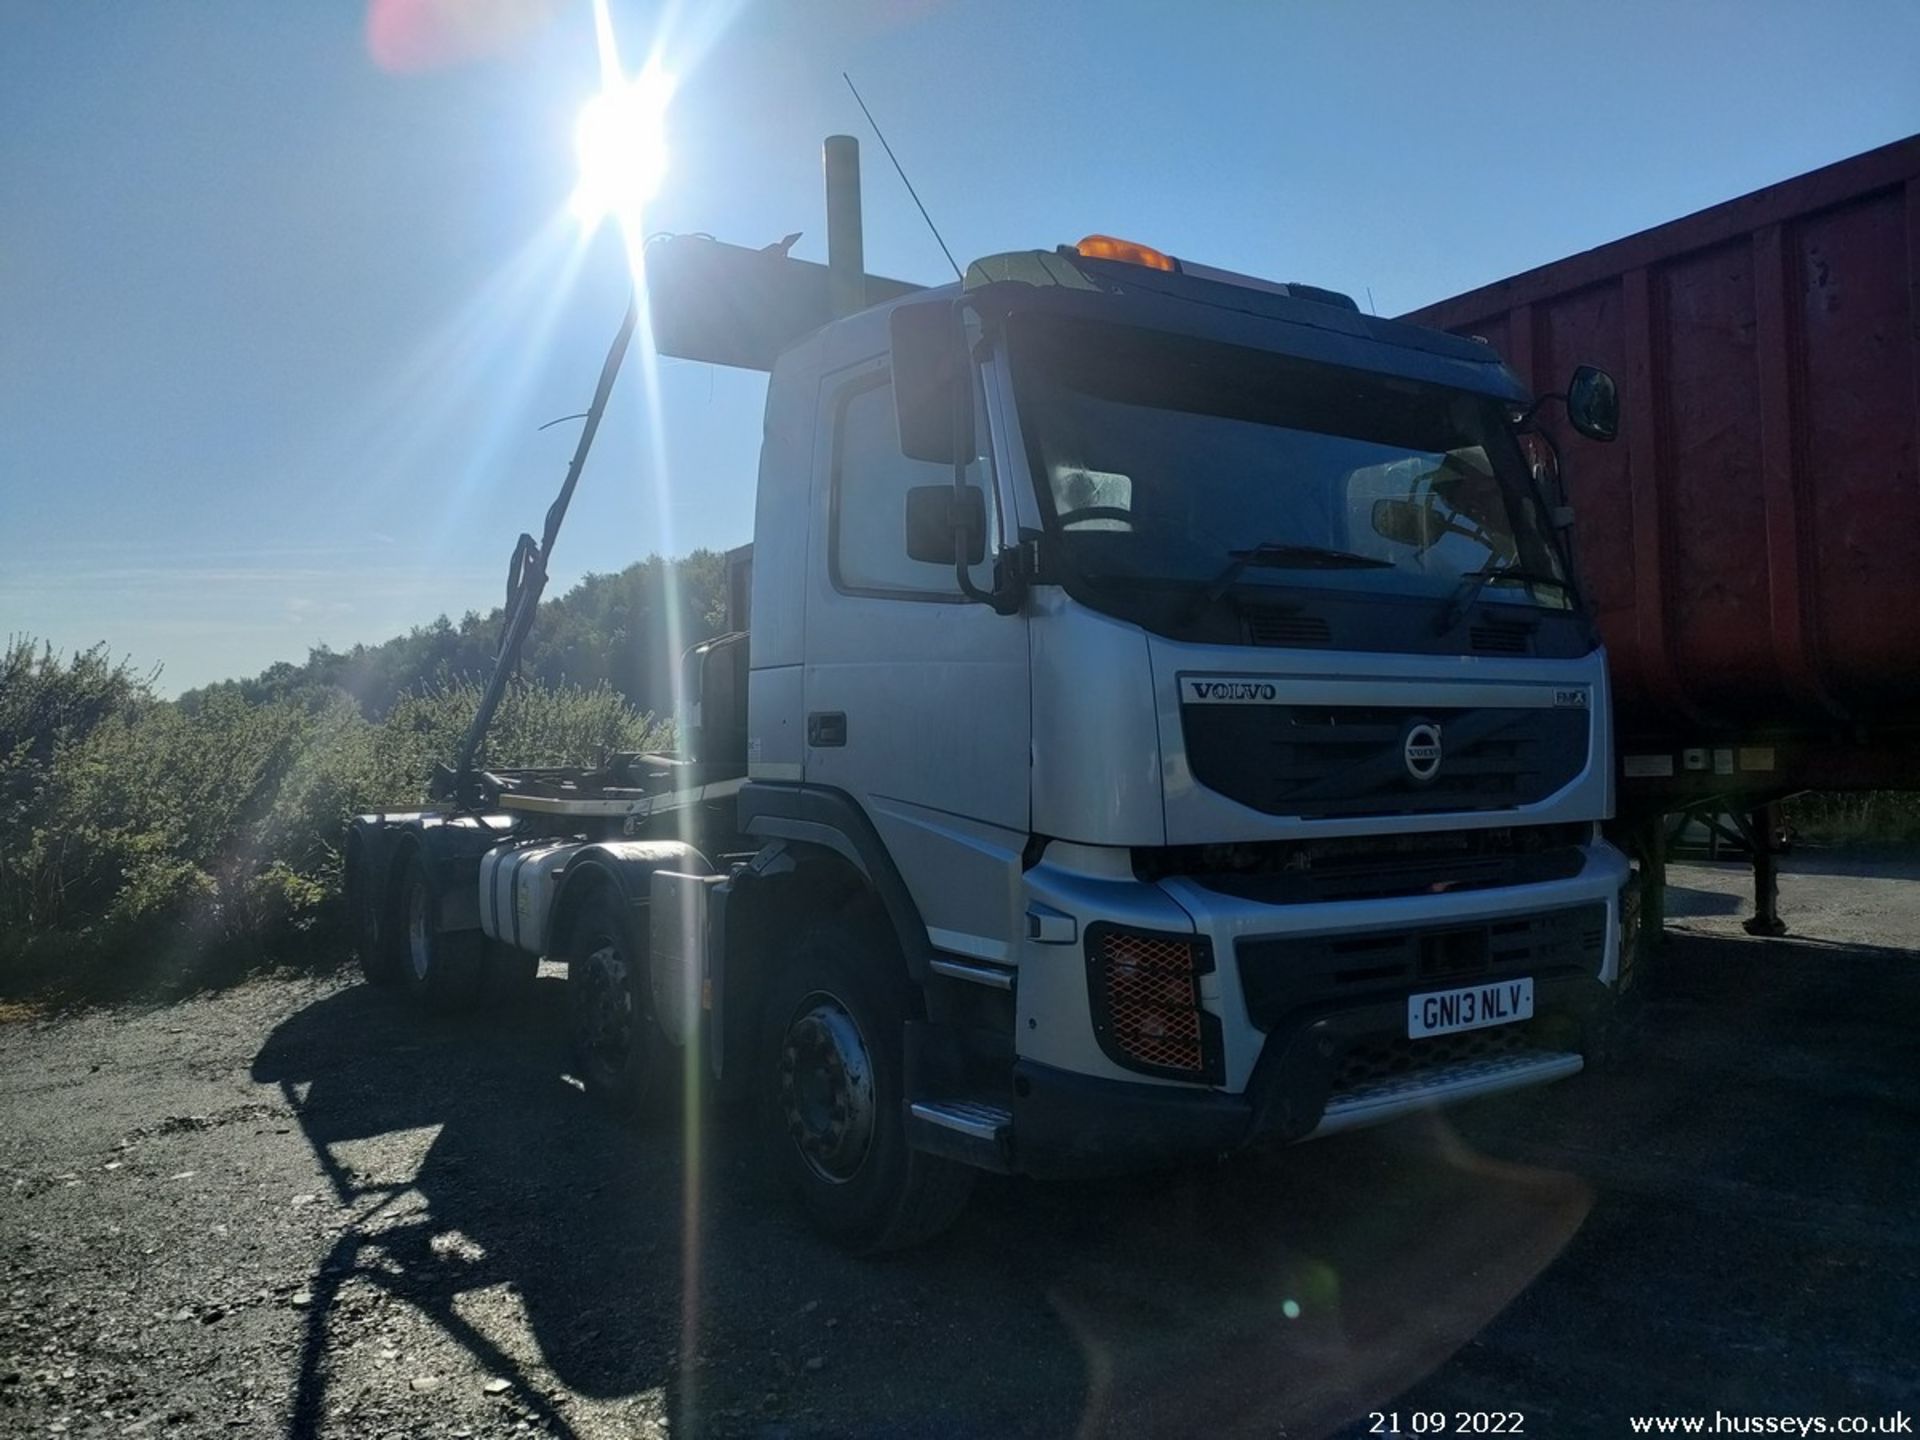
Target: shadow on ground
<point x="1291" y="1291"/>
<point x="1686" y="902"/>
<point x="53" y="972"/>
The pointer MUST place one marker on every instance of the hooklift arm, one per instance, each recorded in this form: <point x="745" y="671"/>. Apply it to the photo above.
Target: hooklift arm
<point x="528" y="578"/>
<point x="721" y="304"/>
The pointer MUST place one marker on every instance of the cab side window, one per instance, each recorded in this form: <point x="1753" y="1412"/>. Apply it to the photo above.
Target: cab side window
<point x="871" y="478"/>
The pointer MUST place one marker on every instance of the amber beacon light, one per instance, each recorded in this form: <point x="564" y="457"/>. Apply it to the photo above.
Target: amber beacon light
<point x="1106" y="247"/>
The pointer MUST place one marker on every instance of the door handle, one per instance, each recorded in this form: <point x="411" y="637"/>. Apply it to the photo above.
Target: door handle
<point x="827" y="727"/>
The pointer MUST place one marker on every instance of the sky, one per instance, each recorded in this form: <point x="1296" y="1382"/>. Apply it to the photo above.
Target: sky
<point x="286" y="291"/>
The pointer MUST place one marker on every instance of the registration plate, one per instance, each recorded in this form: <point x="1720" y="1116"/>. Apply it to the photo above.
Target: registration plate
<point x="1446" y="1012"/>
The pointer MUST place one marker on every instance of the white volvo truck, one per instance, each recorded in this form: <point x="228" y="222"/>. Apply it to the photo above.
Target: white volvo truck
<point x="1159" y="717"/>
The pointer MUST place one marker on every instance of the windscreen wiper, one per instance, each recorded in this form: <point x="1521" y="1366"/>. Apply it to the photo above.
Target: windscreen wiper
<point x="1279" y="555"/>
<point x="1472" y="583"/>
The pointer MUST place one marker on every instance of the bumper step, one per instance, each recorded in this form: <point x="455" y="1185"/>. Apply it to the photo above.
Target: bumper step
<point x="1370" y="1102"/>
<point x="975" y="1132"/>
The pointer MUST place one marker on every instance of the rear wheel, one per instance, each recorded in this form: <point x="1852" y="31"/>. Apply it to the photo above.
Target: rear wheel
<point x="377" y="942"/>
<point x="832" y="1092"/>
<point x="617" y="1045"/>
<point x="442" y="969"/>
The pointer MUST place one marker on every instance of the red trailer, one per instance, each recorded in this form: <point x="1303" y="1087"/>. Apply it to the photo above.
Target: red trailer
<point x="1752" y="544"/>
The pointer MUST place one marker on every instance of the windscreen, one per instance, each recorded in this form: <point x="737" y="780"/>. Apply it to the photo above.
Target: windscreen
<point x="1164" y="459"/>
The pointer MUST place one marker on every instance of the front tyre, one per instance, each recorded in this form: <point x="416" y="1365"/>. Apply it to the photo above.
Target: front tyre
<point x="832" y="1092"/>
<point x="617" y="1046"/>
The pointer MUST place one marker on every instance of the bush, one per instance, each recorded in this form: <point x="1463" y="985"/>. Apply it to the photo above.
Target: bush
<point x="44" y="703"/>
<point x="49" y="713"/>
<point x="1866" y="817"/>
<point x="132" y="825"/>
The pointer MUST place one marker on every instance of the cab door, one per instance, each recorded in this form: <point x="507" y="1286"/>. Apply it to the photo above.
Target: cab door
<point x="917" y="700"/>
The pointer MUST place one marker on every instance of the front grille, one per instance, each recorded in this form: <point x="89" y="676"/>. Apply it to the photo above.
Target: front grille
<point x="1282" y="975"/>
<point x="1376" y="867"/>
<point x="1144" y="992"/>
<point x="1339" y="760"/>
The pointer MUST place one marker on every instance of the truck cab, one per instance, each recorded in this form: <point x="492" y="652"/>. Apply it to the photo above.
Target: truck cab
<point x="1268" y="745"/>
<point x="1170" y="723"/>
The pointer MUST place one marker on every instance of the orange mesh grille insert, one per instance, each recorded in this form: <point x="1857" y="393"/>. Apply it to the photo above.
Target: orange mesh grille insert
<point x="1152" y="1002"/>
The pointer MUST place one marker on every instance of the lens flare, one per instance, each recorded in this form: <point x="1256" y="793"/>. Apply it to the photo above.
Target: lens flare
<point x="621" y="141"/>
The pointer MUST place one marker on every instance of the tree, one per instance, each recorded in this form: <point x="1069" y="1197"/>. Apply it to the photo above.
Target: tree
<point x="619" y="629"/>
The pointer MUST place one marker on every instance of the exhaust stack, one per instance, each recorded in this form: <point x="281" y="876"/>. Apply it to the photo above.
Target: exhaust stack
<point x="846" y="246"/>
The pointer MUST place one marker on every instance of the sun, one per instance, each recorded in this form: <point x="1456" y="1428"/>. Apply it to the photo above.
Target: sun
<point x="621" y="142"/>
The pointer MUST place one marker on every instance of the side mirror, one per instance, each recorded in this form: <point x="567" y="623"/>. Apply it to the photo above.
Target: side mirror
<point x="935" y="512"/>
<point x="1407" y="522"/>
<point x="932" y="393"/>
<point x="1593" y="403"/>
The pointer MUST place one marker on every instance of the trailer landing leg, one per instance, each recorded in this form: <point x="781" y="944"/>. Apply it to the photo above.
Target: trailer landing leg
<point x="1763" y="829"/>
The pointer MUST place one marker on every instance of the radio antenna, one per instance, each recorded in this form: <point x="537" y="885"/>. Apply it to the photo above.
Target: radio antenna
<point x="898" y="170"/>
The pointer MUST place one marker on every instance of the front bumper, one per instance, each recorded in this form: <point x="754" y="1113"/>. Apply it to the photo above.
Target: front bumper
<point x="1308" y="1070"/>
<point x="1065" y="1123"/>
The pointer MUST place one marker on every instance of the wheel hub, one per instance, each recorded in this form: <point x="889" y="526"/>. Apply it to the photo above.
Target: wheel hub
<point x="419" y="932"/>
<point x="826" y="1089"/>
<point x="609" y="1009"/>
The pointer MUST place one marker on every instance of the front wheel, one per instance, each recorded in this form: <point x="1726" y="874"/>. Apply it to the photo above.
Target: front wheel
<point x="832" y="1092"/>
<point x="616" y="1044"/>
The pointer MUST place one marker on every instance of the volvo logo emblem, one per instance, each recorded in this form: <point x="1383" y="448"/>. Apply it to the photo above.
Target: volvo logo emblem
<point x="1421" y="751"/>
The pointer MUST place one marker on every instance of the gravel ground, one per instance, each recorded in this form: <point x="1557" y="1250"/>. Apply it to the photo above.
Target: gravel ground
<point x="295" y="1207"/>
